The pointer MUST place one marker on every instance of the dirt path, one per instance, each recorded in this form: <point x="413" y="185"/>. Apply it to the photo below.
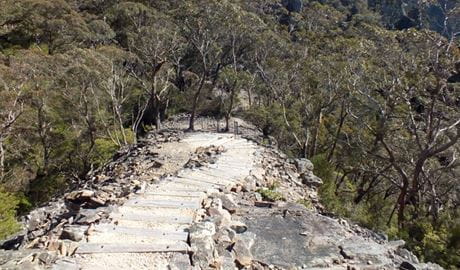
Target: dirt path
<point x="150" y="231"/>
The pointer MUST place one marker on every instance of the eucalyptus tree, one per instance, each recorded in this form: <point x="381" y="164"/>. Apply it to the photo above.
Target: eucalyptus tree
<point x="211" y="46"/>
<point x="158" y="47"/>
<point x="53" y="23"/>
<point x="12" y="107"/>
<point x="410" y="122"/>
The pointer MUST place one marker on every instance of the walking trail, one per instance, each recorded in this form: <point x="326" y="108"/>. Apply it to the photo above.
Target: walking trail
<point x="150" y="230"/>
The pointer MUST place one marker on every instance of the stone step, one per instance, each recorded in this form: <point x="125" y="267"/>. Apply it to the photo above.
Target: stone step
<point x="165" y="196"/>
<point x="152" y="218"/>
<point x="142" y="232"/>
<point x="185" y="187"/>
<point x="153" y="225"/>
<point x="228" y="175"/>
<point x="203" y="178"/>
<point x="163" y="203"/>
<point x="234" y="166"/>
<point x="88" y="248"/>
<point x="223" y="180"/>
<point x="231" y="168"/>
<point x="239" y="145"/>
<point x="195" y="186"/>
<point x="177" y="193"/>
<point x="238" y="156"/>
<point x="123" y="238"/>
<point x="233" y="160"/>
<point x="197" y="183"/>
<point x="159" y="211"/>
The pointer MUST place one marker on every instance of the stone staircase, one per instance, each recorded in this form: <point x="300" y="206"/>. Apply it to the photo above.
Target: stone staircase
<point x="156" y="219"/>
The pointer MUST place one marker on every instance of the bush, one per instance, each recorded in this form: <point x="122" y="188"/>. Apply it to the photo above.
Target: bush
<point x="271" y="195"/>
<point x="9" y="204"/>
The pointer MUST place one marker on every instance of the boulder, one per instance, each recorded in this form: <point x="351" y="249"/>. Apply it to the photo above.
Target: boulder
<point x="227" y="202"/>
<point x="74" y="233"/>
<point x="311" y="180"/>
<point x="243" y="253"/>
<point x="202" y="243"/>
<point x="304" y="165"/>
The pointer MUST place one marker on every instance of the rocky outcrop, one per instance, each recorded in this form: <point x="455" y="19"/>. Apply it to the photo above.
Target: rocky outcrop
<point x="54" y="226"/>
<point x="263" y="215"/>
<point x="243" y="230"/>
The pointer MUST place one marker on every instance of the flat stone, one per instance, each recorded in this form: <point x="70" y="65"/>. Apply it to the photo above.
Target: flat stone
<point x="46" y="258"/>
<point x="65" y="264"/>
<point x="243" y="253"/>
<point x="264" y="204"/>
<point x="311" y="180"/>
<point x="74" y="233"/>
<point x="278" y="241"/>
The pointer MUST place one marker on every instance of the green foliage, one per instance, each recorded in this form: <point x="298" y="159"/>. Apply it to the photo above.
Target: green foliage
<point x="271" y="195"/>
<point x="9" y="204"/>
<point x="433" y="243"/>
<point x="307" y="203"/>
<point x="105" y="148"/>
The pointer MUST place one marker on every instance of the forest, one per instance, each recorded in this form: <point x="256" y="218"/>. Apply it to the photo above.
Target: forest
<point x="368" y="90"/>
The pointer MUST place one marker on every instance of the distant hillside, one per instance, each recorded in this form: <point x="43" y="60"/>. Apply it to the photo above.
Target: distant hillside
<point x="442" y="16"/>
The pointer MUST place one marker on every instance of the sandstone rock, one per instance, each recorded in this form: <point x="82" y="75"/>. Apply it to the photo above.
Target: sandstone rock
<point x="53" y="246"/>
<point x="65" y="264"/>
<point x="407" y="255"/>
<point x="74" y="233"/>
<point x="202" y="243"/>
<point x="80" y="196"/>
<point x="68" y="247"/>
<point x="264" y="204"/>
<point x="179" y="262"/>
<point x="238" y="227"/>
<point x="304" y="165"/>
<point x="250" y="184"/>
<point x="311" y="180"/>
<point x="88" y="216"/>
<point x="221" y="216"/>
<point x="227" y="202"/>
<point x="243" y="253"/>
<point x="46" y="258"/>
<point x="203" y="156"/>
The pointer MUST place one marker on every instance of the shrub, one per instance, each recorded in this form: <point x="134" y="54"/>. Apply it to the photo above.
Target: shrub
<point x="8" y="206"/>
<point x="271" y="195"/>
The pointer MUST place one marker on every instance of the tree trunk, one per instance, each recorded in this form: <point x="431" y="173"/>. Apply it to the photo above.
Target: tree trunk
<point x="157" y="114"/>
<point x="249" y="97"/>
<point x="164" y="112"/>
<point x="227" y="123"/>
<point x="402" y="205"/>
<point x="343" y="115"/>
<point x="2" y="160"/>
<point x="196" y="97"/>
<point x="230" y="107"/>
<point x="157" y="118"/>
<point x="314" y="143"/>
